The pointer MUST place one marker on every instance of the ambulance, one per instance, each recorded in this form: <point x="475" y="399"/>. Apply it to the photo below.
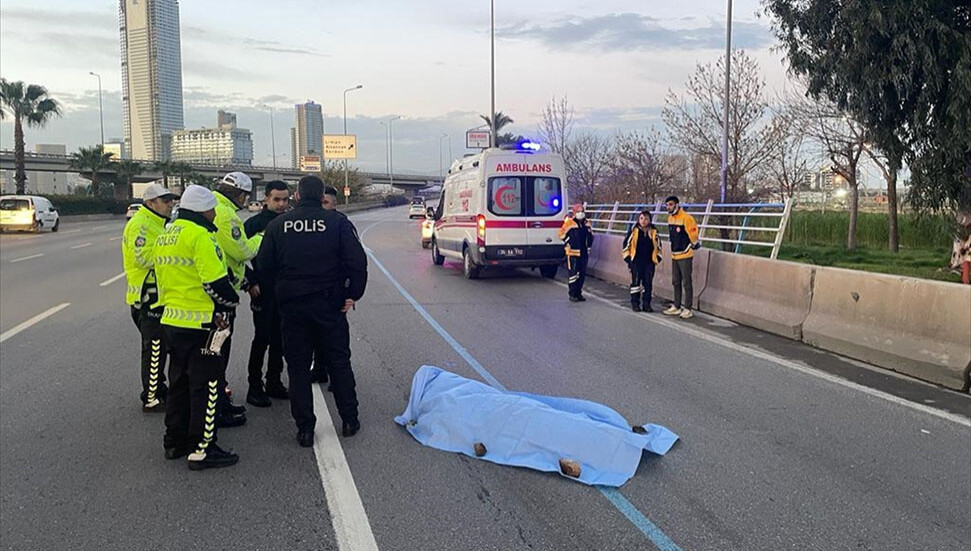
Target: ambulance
<point x="502" y="207"/>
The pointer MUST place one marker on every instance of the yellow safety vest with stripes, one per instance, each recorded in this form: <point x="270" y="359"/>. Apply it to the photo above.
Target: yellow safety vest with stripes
<point x="137" y="253"/>
<point x="232" y="238"/>
<point x="186" y="258"/>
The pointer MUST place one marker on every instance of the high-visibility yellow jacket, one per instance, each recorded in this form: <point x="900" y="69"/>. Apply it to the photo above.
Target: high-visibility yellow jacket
<point x="192" y="275"/>
<point x="683" y="232"/>
<point x="232" y="239"/>
<point x="631" y="239"/>
<point x="138" y="258"/>
<point x="577" y="239"/>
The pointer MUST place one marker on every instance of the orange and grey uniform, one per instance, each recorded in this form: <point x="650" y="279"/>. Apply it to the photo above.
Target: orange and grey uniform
<point x="683" y="232"/>
<point x="642" y="252"/>
<point x="577" y="239"/>
<point x="138" y="256"/>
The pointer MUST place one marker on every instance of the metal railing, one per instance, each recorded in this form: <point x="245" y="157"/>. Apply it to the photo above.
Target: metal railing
<point x="726" y="223"/>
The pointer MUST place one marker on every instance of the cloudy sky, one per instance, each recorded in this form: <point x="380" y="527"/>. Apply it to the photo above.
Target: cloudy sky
<point x="425" y="60"/>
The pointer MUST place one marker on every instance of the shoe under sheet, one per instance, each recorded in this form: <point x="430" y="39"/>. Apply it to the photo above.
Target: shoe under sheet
<point x="451" y="413"/>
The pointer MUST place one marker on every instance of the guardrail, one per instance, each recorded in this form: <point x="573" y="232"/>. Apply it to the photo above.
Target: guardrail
<point x="719" y="218"/>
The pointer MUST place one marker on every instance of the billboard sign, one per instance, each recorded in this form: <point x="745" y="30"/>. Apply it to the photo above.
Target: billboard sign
<point x="310" y="163"/>
<point x="340" y="146"/>
<point x="477" y="139"/>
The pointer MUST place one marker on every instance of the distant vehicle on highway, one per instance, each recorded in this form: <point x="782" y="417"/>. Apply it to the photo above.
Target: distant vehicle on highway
<point x="132" y="209"/>
<point x="27" y="213"/>
<point x="417" y="210"/>
<point x="418" y="200"/>
<point x="502" y="207"/>
<point x="427" y="226"/>
<point x="254" y="206"/>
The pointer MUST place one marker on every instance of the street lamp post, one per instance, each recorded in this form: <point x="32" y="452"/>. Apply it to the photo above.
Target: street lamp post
<point x="492" y="114"/>
<point x="728" y="80"/>
<point x="391" y="149"/>
<point x="101" y="109"/>
<point x="358" y="87"/>
<point x="272" y="134"/>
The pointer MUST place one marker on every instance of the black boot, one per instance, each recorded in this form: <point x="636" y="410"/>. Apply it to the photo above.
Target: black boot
<point x="350" y="428"/>
<point x="305" y="438"/>
<point x="635" y="307"/>
<point x="257" y="396"/>
<point x="276" y="390"/>
<point x="228" y="420"/>
<point x="214" y="458"/>
<point x="574" y="298"/>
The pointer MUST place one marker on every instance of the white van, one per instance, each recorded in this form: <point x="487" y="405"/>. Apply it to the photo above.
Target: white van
<point x="502" y="207"/>
<point x="27" y="212"/>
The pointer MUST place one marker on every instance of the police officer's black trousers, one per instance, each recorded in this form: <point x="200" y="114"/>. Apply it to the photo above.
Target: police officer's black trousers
<point x="307" y="322"/>
<point x="267" y="336"/>
<point x="194" y="388"/>
<point x="577" y="267"/>
<point x="641" y="282"/>
<point x="149" y="324"/>
<point x="227" y="349"/>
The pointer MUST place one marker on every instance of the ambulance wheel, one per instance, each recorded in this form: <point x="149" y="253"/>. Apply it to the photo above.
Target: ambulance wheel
<point x="548" y="271"/>
<point x="469" y="267"/>
<point x="437" y="258"/>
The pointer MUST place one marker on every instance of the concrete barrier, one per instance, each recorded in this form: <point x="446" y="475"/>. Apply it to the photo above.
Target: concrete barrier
<point x="606" y="261"/>
<point x="918" y="327"/>
<point x="770" y="295"/>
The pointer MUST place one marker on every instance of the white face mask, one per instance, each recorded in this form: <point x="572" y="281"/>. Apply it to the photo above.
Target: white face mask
<point x="580" y="215"/>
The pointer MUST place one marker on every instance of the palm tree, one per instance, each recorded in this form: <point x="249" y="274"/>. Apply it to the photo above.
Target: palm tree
<point x="502" y="120"/>
<point x="166" y="168"/>
<point x="28" y="104"/>
<point x="91" y="159"/>
<point x="126" y="171"/>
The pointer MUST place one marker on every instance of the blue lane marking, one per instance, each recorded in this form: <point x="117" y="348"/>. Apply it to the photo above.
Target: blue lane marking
<point x="648" y="528"/>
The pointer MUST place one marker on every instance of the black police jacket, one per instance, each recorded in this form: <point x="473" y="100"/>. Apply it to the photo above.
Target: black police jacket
<point x="310" y="251"/>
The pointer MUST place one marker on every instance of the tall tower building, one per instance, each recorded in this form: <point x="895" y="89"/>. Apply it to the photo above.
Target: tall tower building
<point x="307" y="134"/>
<point x="151" y="74"/>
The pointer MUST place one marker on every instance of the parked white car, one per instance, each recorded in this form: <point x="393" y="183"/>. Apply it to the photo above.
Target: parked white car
<point x="132" y="209"/>
<point x="27" y="213"/>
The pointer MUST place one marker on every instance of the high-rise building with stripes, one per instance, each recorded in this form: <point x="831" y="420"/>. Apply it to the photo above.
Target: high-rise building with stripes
<point x="307" y="133"/>
<point x="151" y="73"/>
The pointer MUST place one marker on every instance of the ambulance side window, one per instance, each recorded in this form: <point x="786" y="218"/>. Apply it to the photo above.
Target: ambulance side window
<point x="506" y="196"/>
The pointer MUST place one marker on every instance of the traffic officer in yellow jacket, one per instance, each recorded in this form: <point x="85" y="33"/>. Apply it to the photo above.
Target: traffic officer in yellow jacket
<point x="642" y="252"/>
<point x="232" y="194"/>
<point x="199" y="299"/>
<point x="137" y="252"/>
<point x="577" y="239"/>
<point x="683" y="236"/>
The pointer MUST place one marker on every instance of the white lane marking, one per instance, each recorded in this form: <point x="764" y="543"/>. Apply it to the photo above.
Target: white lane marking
<point x="33" y="321"/>
<point x="97" y="228"/>
<point x="352" y="530"/>
<point x="69" y="232"/>
<point x="116" y="238"/>
<point x="26" y="258"/>
<point x="81" y="246"/>
<point x="685" y="327"/>
<point x="108" y="282"/>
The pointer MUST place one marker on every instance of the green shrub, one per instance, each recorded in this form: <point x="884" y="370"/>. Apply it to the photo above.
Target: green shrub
<point x="873" y="229"/>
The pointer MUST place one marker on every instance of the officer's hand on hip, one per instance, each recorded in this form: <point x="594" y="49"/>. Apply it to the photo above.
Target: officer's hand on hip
<point x="348" y="304"/>
<point x="254" y="291"/>
<point x="221" y="320"/>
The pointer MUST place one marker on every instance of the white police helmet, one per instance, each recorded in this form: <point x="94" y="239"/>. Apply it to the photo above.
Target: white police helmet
<point x="239" y="181"/>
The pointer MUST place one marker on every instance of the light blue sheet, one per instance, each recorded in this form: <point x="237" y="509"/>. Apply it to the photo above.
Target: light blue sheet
<point x="452" y="413"/>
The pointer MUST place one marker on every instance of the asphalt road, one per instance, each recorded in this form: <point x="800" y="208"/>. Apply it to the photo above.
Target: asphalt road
<point x="783" y="447"/>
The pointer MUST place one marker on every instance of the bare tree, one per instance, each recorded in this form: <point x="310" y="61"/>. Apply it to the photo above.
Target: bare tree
<point x="843" y="141"/>
<point x="890" y="177"/>
<point x="695" y="119"/>
<point x="556" y="128"/>
<point x="640" y="165"/>
<point x="787" y="165"/>
<point x="588" y="167"/>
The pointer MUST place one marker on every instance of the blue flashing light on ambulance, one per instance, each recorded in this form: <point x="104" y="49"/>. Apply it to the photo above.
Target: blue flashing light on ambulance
<point x="500" y="208"/>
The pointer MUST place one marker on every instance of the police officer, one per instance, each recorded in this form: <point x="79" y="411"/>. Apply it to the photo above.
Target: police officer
<point x="266" y="315"/>
<point x="232" y="193"/>
<point x="577" y="239"/>
<point x="318" y="368"/>
<point x="137" y="251"/>
<point x="320" y="269"/>
<point x="196" y="291"/>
